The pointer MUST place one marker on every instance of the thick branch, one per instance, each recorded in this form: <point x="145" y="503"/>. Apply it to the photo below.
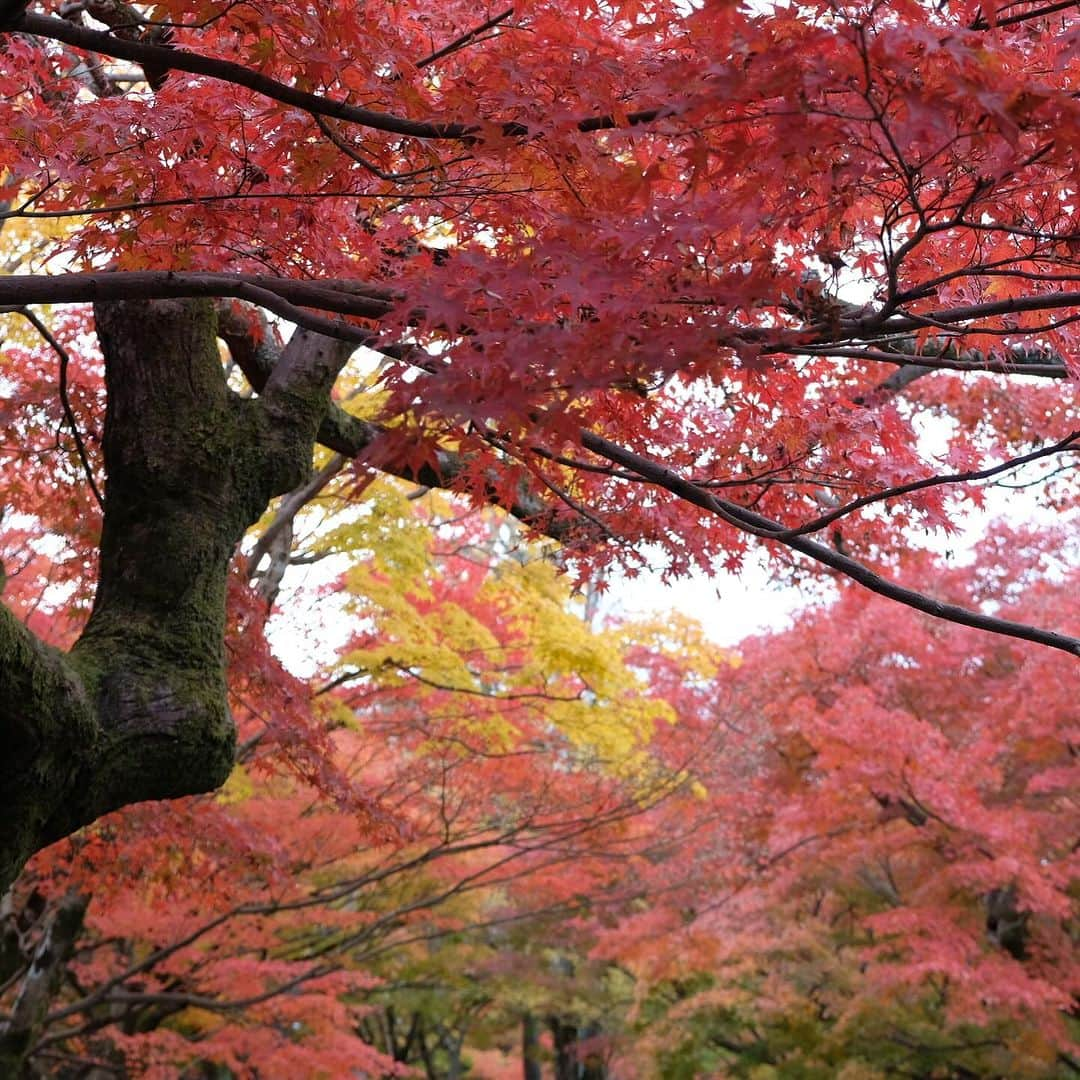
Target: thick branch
<point x="279" y="295"/>
<point x="253" y="350"/>
<point x="1015" y="361"/>
<point x="873" y="326"/>
<point x="890" y="341"/>
<point x="169" y="59"/>
<point x="250" y="339"/>
<point x="161" y="58"/>
<point x="18" y="1032"/>
<point x="46" y="720"/>
<point x="887" y="340"/>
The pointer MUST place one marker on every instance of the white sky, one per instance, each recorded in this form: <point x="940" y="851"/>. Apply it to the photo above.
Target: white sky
<point x="729" y="607"/>
<point x="310" y="624"/>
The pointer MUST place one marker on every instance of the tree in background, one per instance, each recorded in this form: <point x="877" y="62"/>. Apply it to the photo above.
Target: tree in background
<point x="498" y="836"/>
<point x="892" y="866"/>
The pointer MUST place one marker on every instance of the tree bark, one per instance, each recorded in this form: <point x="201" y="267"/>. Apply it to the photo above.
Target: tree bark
<point x="530" y="1048"/>
<point x="47" y="965"/>
<point x="564" y="1035"/>
<point x="138" y="710"/>
<point x="570" y="1063"/>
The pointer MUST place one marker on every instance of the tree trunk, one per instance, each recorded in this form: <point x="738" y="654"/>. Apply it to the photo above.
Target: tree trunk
<point x="47" y="965"/>
<point x="593" y="1064"/>
<point x="530" y="1048"/>
<point x="137" y="710"/>
<point x="570" y="1063"/>
<point x="564" y="1036"/>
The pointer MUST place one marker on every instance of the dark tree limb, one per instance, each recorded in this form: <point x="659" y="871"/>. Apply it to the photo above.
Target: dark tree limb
<point x="252" y="344"/>
<point x="766" y="529"/>
<point x="250" y="339"/>
<point x="19" y="1031"/>
<point x="162" y="58"/>
<point x="855" y="331"/>
<point x="286" y="297"/>
<point x="291" y="505"/>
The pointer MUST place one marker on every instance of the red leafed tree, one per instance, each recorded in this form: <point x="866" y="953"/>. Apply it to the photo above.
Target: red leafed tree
<point x="640" y="272"/>
<point x="886" y="865"/>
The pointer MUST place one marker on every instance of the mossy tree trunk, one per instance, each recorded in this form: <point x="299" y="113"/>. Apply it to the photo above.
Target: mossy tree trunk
<point x="137" y="709"/>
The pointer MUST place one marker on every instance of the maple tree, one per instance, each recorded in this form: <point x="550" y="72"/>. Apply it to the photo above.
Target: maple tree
<point x="891" y="876"/>
<point x="584" y="240"/>
<point x="647" y="274"/>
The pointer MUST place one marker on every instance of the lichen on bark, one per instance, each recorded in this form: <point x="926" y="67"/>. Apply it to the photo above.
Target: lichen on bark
<point x="138" y="708"/>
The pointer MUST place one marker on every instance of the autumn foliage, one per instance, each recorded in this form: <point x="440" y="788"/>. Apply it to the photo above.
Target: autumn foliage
<point x="844" y="845"/>
<point x="546" y="296"/>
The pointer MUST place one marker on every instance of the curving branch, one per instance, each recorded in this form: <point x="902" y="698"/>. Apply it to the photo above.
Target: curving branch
<point x="250" y="340"/>
<point x="161" y="58"/>
<point x="766" y="529"/>
<point x="287" y="297"/>
<point x="1068" y="444"/>
<point x="853" y="331"/>
<point x="65" y="400"/>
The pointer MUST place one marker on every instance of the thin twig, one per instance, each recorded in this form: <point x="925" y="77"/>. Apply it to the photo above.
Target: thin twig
<point x="1066" y="444"/>
<point x="65" y="402"/>
<point x="465" y="39"/>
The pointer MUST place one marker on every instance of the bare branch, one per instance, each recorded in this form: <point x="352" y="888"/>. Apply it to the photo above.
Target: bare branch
<point x="1066" y="444"/>
<point x="290" y="506"/>
<point x="65" y="401"/>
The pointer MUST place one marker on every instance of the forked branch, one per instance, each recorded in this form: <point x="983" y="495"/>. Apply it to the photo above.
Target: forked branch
<point x="766" y="529"/>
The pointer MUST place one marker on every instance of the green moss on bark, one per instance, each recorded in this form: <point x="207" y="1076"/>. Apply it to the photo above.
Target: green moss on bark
<point x="48" y="726"/>
<point x="138" y="710"/>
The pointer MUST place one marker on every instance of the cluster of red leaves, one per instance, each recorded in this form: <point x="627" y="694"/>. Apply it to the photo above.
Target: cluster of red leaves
<point x="632" y="209"/>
